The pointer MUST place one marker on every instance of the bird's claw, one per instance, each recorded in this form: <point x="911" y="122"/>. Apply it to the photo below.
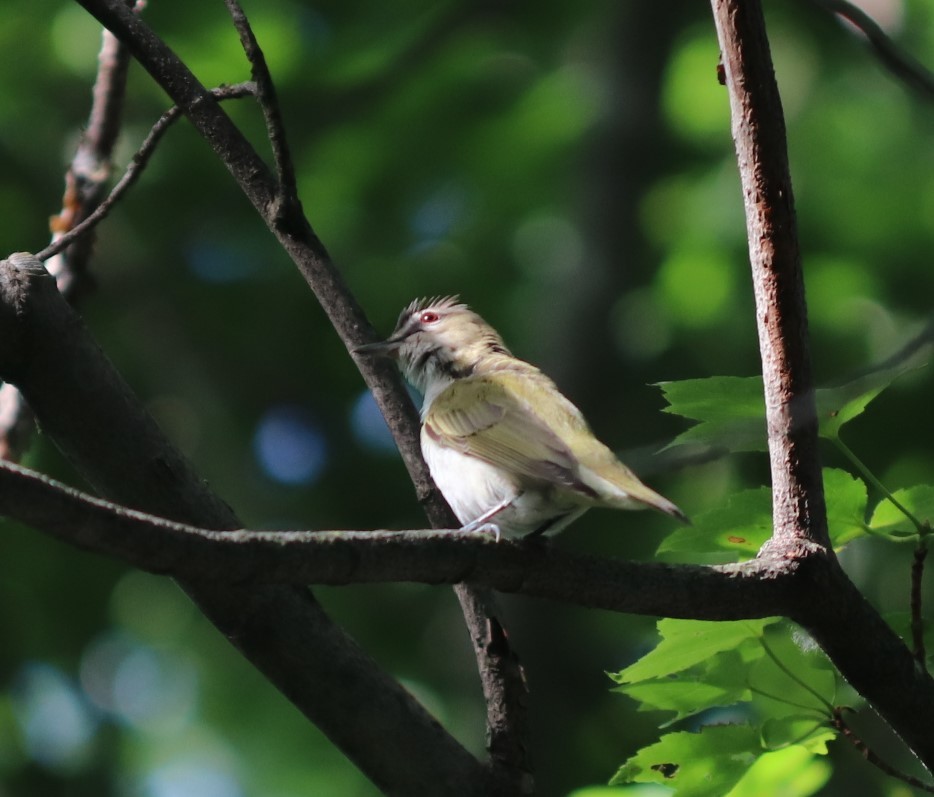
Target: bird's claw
<point x="483" y="528"/>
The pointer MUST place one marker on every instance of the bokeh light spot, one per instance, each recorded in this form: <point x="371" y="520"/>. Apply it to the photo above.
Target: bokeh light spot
<point x="289" y="446"/>
<point x="696" y="287"/>
<point x="439" y="213"/>
<point x="183" y="778"/>
<point x="57" y="725"/>
<point x="368" y="425"/>
<point x="217" y="261"/>
<point x="148" y="689"/>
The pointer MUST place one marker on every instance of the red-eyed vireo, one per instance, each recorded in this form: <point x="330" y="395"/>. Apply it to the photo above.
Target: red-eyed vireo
<point x="507" y="450"/>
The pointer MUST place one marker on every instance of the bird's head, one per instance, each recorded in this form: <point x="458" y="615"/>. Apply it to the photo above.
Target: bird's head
<point x="439" y="340"/>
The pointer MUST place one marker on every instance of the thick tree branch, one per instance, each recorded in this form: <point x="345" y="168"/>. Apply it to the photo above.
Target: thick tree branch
<point x="84" y="405"/>
<point x="799" y="516"/>
<point x="812" y="590"/>
<point x="835" y="612"/>
<point x="281" y="210"/>
<point x="753" y="589"/>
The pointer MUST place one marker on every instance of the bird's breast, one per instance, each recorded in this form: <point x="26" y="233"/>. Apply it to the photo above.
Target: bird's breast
<point x="470" y="485"/>
<point x="473" y="487"/>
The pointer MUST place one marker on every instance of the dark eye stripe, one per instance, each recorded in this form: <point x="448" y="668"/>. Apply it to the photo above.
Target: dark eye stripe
<point x="425" y="356"/>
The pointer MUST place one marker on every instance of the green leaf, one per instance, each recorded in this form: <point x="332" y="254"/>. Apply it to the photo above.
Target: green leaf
<point x="889" y="520"/>
<point x="846" y="506"/>
<point x="686" y="643"/>
<point x="730" y="411"/>
<point x="719" y="681"/>
<point x="793" y="770"/>
<point x="803" y="730"/>
<point x="796" y="677"/>
<point x="839" y="405"/>
<point x="705" y="764"/>
<point x="737" y="528"/>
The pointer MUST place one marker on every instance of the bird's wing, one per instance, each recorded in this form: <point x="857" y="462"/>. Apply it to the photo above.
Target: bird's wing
<point x="480" y="416"/>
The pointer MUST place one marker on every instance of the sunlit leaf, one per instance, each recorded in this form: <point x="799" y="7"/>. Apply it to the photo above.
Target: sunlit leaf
<point x="705" y="764"/>
<point x="737" y="528"/>
<point x="804" y="730"/>
<point x="794" y="676"/>
<point x="791" y="771"/>
<point x="888" y="519"/>
<point x="688" y="642"/>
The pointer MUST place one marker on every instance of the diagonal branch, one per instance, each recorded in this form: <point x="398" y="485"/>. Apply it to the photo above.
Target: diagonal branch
<point x="903" y="66"/>
<point x="269" y="102"/>
<point x="88" y="410"/>
<point x="83" y="403"/>
<point x="500" y="674"/>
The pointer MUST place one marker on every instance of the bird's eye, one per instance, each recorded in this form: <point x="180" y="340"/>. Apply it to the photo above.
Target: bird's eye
<point x="429" y="317"/>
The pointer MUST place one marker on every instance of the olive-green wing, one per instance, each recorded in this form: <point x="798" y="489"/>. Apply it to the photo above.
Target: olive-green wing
<point x="492" y="419"/>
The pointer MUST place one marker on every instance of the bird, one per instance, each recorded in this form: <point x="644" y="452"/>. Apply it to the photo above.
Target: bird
<point x="509" y="452"/>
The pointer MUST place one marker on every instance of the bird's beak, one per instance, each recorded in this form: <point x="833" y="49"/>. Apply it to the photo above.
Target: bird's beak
<point x="384" y="348"/>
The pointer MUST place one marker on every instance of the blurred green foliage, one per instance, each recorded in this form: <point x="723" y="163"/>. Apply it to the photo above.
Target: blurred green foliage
<point x="566" y="168"/>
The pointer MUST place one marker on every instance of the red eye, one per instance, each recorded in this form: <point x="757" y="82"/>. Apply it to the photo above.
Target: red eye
<point x="429" y="317"/>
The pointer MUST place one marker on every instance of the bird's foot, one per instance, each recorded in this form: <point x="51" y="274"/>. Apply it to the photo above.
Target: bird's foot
<point x="481" y="526"/>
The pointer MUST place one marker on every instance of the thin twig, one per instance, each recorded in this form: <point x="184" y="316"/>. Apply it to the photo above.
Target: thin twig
<point x="903" y="66"/>
<point x="871" y="756"/>
<point x="135" y="168"/>
<point x="269" y="102"/>
<point x="917" y="618"/>
<point x="89" y="173"/>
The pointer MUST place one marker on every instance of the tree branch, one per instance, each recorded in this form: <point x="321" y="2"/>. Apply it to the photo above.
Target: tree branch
<point x="83" y="404"/>
<point x="834" y="611"/>
<point x="85" y="181"/>
<point x="903" y="66"/>
<point x="269" y="102"/>
<point x="753" y="589"/>
<point x="82" y="396"/>
<point x="799" y="515"/>
<point x="285" y="218"/>
<point x="134" y="171"/>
